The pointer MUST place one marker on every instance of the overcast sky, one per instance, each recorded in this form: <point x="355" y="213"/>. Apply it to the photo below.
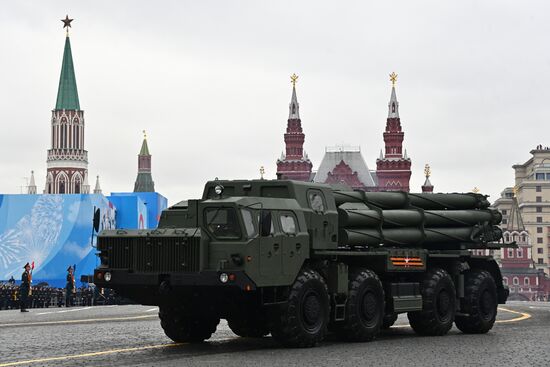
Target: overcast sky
<point x="209" y="81"/>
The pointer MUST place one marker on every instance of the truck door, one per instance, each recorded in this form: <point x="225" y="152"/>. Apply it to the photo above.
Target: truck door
<point x="270" y="245"/>
<point x="321" y="230"/>
<point x="293" y="243"/>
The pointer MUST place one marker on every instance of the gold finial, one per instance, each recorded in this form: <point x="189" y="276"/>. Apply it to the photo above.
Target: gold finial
<point x="262" y="172"/>
<point x="427" y="170"/>
<point x="393" y="78"/>
<point x="144" y="135"/>
<point x="293" y="79"/>
<point x="475" y="190"/>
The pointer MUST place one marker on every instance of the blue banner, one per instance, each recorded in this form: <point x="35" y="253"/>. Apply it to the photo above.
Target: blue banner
<point x="54" y="231"/>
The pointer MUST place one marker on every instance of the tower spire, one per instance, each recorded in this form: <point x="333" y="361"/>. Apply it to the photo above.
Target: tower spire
<point x="32" y="185"/>
<point x="67" y="160"/>
<point x="144" y="181"/>
<point x="97" y="189"/>
<point x="427" y="187"/>
<point x="294" y="107"/>
<point x="394" y="168"/>
<point x="393" y="105"/>
<point x="294" y="163"/>
<point x="67" y="93"/>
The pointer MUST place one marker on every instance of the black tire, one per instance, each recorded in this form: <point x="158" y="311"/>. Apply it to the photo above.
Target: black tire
<point x="389" y="320"/>
<point x="480" y="303"/>
<point x="364" y="308"/>
<point x="302" y="321"/>
<point x="182" y="327"/>
<point x="254" y="326"/>
<point x="438" y="304"/>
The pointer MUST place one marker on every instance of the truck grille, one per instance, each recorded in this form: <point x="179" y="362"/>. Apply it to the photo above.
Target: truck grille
<point x="152" y="254"/>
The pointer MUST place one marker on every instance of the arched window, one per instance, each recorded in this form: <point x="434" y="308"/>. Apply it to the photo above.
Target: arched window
<point x="515" y="281"/>
<point x="77" y="186"/>
<point x="526" y="281"/>
<point x="62" y="185"/>
<point x="62" y="136"/>
<point x="510" y="253"/>
<point x="519" y="252"/>
<point x="505" y="280"/>
<point x="77" y="137"/>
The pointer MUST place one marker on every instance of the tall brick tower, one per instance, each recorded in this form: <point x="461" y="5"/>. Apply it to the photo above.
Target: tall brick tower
<point x="294" y="163"/>
<point x="144" y="181"/>
<point x="67" y="159"/>
<point x="393" y="168"/>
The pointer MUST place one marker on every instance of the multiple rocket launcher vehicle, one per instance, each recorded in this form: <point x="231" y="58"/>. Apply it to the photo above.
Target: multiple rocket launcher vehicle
<point x="298" y="259"/>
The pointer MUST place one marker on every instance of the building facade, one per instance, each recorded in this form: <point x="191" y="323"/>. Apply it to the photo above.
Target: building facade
<point x="67" y="159"/>
<point x="294" y="163"/>
<point x="532" y="186"/>
<point x="524" y="280"/>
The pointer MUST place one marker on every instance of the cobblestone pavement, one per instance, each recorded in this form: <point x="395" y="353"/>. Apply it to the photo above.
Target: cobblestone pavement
<point x="132" y="336"/>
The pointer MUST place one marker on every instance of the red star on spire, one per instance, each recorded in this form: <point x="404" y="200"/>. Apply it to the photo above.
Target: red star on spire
<point x="67" y="22"/>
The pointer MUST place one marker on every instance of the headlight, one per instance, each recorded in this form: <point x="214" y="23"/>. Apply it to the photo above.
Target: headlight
<point x="107" y="277"/>
<point x="218" y="189"/>
<point x="224" y="277"/>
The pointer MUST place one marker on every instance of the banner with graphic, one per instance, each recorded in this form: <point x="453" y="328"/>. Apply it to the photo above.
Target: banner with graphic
<point x="54" y="231"/>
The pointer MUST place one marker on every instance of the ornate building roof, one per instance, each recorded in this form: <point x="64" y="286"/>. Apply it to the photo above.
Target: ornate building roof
<point x="344" y="165"/>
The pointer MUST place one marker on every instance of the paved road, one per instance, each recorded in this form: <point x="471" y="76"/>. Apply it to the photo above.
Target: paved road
<point x="131" y="336"/>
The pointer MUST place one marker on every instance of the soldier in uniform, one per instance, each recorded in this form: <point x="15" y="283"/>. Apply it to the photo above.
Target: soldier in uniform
<point x="25" y="287"/>
<point x="70" y="287"/>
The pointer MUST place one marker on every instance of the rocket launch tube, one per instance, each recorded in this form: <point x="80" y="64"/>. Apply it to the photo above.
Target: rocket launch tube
<point x="366" y="218"/>
<point x="440" y="238"/>
<point x="403" y="200"/>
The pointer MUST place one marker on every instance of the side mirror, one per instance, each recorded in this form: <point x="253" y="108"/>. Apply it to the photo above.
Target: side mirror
<point x="96" y="219"/>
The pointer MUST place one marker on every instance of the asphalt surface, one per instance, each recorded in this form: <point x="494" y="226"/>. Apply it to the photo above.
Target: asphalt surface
<point x="132" y="336"/>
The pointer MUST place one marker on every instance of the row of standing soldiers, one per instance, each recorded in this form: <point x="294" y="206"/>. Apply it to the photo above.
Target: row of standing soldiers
<point x="42" y="295"/>
<point x="25" y="287"/>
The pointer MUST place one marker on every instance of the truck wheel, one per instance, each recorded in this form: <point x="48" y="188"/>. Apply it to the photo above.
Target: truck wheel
<point x="365" y="307"/>
<point x="249" y="327"/>
<point x="181" y="327"/>
<point x="302" y="321"/>
<point x="480" y="303"/>
<point x="438" y="304"/>
<point x="389" y="320"/>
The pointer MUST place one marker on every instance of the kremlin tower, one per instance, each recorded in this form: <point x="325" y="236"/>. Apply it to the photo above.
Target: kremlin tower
<point x="67" y="162"/>
<point x="144" y="180"/>
<point x="294" y="163"/>
<point x="393" y="168"/>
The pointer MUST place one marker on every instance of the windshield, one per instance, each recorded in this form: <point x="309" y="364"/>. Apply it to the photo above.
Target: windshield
<point x="223" y="223"/>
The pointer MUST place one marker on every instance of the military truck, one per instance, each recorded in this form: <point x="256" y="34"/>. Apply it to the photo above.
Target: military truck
<point x="298" y="260"/>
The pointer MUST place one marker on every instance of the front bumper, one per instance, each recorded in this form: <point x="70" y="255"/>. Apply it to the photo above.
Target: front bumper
<point x="125" y="279"/>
